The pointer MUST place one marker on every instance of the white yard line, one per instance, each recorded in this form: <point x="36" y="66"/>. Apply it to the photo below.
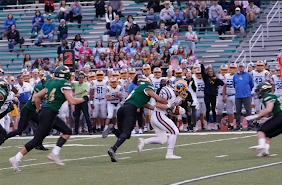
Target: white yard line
<point x="134" y="151"/>
<point x="125" y="158"/>
<point x="221" y="156"/>
<point x="226" y="173"/>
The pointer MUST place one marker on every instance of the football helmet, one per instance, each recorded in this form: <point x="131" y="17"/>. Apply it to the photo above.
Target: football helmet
<point x="4" y="85"/>
<point x="260" y="65"/>
<point x="13" y="80"/>
<point x="198" y="73"/>
<point x="72" y="76"/>
<point x="132" y="72"/>
<point x="263" y="88"/>
<point x="113" y="82"/>
<point x="181" y="87"/>
<point x="41" y="73"/>
<point x="178" y="73"/>
<point x="91" y="76"/>
<point x="26" y="76"/>
<point x="146" y="68"/>
<point x="223" y="69"/>
<point x="44" y="79"/>
<point x="195" y="66"/>
<point x="277" y="70"/>
<point x="116" y="74"/>
<point x="233" y="68"/>
<point x="100" y="75"/>
<point x="144" y="81"/>
<point x="123" y="74"/>
<point x="157" y="72"/>
<point x="62" y="72"/>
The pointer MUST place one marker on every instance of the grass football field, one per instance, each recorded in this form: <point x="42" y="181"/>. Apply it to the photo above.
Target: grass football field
<point x="208" y="158"/>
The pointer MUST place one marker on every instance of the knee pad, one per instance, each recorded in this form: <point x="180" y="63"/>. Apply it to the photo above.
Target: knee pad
<point x="163" y="139"/>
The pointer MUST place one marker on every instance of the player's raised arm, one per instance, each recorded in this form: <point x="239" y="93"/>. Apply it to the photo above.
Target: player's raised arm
<point x="155" y="96"/>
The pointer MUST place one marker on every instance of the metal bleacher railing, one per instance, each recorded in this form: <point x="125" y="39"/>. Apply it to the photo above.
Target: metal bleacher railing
<point x="268" y="21"/>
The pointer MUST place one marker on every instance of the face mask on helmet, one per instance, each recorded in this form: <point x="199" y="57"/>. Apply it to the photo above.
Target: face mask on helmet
<point x="91" y="76"/>
<point x="116" y="74"/>
<point x="233" y="70"/>
<point x="195" y="67"/>
<point x="26" y="77"/>
<point x="262" y="89"/>
<point x="113" y="82"/>
<point x="72" y="76"/>
<point x="132" y="72"/>
<point x="123" y="74"/>
<point x="146" y="69"/>
<point x="277" y="70"/>
<point x="157" y="73"/>
<point x="181" y="88"/>
<point x="62" y="72"/>
<point x="260" y="65"/>
<point x="223" y="69"/>
<point x="178" y="73"/>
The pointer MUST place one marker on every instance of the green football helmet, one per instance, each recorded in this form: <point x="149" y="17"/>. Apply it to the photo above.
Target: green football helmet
<point x="263" y="88"/>
<point x="62" y="72"/>
<point x="44" y="79"/>
<point x="4" y="85"/>
<point x="144" y="81"/>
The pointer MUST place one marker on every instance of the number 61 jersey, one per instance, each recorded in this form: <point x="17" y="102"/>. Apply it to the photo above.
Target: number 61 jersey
<point x="99" y="88"/>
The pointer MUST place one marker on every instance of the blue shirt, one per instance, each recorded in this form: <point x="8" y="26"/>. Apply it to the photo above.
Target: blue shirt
<point x="47" y="28"/>
<point x="238" y="20"/>
<point x="243" y="84"/>
<point x="9" y="23"/>
<point x="115" y="27"/>
<point x="131" y="87"/>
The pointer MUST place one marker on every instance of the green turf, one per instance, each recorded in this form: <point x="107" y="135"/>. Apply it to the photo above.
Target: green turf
<point x="150" y="167"/>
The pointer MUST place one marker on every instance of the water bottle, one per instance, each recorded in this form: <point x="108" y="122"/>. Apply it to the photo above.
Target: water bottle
<point x="213" y="28"/>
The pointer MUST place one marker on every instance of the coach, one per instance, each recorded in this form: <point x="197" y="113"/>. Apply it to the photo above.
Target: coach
<point x="243" y="84"/>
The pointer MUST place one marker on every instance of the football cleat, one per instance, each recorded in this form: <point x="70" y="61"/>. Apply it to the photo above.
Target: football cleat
<point x="108" y="130"/>
<point x="112" y="155"/>
<point x="15" y="164"/>
<point x="172" y="157"/>
<point x="263" y="153"/>
<point x="56" y="159"/>
<point x="257" y="147"/>
<point x="140" y="145"/>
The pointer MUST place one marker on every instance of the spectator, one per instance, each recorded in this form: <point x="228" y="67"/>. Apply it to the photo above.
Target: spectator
<point x="224" y="24"/>
<point x="62" y="32"/>
<point x="80" y="90"/>
<point x="181" y="52"/>
<point x="81" y="63"/>
<point x="151" y="20"/>
<point x="214" y="12"/>
<point x="137" y="62"/>
<point x="232" y="8"/>
<point x="178" y="16"/>
<point x="211" y="85"/>
<point x="24" y="90"/>
<point x="155" y="61"/>
<point x="165" y="60"/>
<point x="252" y="12"/>
<point x="243" y="84"/>
<point x="116" y="27"/>
<point x="109" y="49"/>
<point x="49" y="7"/>
<point x="162" y="39"/>
<point x="101" y="63"/>
<point x="62" y="47"/>
<point x="117" y="7"/>
<point x="76" y="44"/>
<point x="8" y="23"/>
<point x="175" y="43"/>
<point x="37" y="22"/>
<point x="125" y="25"/>
<point x="238" y="22"/>
<point x="37" y="64"/>
<point x="191" y="38"/>
<point x="133" y="84"/>
<point x="190" y="14"/>
<point x="154" y="5"/>
<point x="48" y="65"/>
<point x="91" y="62"/>
<point x="85" y="50"/>
<point x="35" y="78"/>
<point x="151" y="39"/>
<point x="162" y="29"/>
<point x="63" y="12"/>
<point x="100" y="8"/>
<point x="27" y="62"/>
<point x="59" y="60"/>
<point x="76" y="13"/>
<point x="99" y="49"/>
<point x="168" y="37"/>
<point x="134" y="29"/>
<point x="166" y="15"/>
<point x="134" y="48"/>
<point x="13" y="37"/>
<point x="46" y="31"/>
<point x="191" y="58"/>
<point x="203" y="14"/>
<point x="110" y="16"/>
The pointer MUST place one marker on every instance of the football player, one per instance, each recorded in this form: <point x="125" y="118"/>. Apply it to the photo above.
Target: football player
<point x="57" y="91"/>
<point x="26" y="76"/>
<point x="138" y="98"/>
<point x="178" y="73"/>
<point x="156" y="80"/>
<point x="229" y="93"/>
<point x="200" y="96"/>
<point x="161" y="123"/>
<point x="98" y="100"/>
<point x="276" y="78"/>
<point x="220" y="98"/>
<point x="124" y="83"/>
<point x="195" y="67"/>
<point x="114" y="97"/>
<point x="131" y="74"/>
<point x="273" y="126"/>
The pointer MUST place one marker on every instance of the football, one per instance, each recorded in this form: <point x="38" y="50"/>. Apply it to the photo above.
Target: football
<point x="176" y="110"/>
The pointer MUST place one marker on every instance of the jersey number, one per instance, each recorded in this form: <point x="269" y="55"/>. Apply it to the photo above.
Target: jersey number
<point x="258" y="80"/>
<point x="99" y="90"/>
<point x="51" y="96"/>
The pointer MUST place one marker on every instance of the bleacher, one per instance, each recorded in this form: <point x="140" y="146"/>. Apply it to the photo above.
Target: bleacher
<point x="209" y="46"/>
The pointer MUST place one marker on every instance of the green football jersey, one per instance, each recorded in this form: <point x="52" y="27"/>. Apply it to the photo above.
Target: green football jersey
<point x="5" y="95"/>
<point x="138" y="97"/>
<point x="36" y="89"/>
<point x="54" y="95"/>
<point x="277" y="105"/>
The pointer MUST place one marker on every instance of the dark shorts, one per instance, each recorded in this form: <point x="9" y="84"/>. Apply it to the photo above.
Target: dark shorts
<point x="126" y="116"/>
<point x="272" y="127"/>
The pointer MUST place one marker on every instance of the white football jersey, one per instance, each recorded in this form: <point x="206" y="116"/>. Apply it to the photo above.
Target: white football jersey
<point x="230" y="90"/>
<point x="260" y="77"/>
<point x="278" y="86"/>
<point x="123" y="83"/>
<point x="113" y="91"/>
<point x="220" y="88"/>
<point x="99" y="88"/>
<point x="200" y="87"/>
<point x="170" y="79"/>
<point x="156" y="82"/>
<point x="150" y="76"/>
<point x="34" y="82"/>
<point x="168" y="94"/>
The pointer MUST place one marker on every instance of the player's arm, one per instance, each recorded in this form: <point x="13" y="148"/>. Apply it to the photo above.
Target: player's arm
<point x="268" y="109"/>
<point x="108" y="97"/>
<point x="71" y="99"/>
<point x="91" y="97"/>
<point x="37" y="96"/>
<point x="149" y="106"/>
<point x="79" y="92"/>
<point x="155" y="96"/>
<point x="224" y="92"/>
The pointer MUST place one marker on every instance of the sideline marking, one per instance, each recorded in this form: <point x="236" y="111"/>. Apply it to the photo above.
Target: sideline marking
<point x="272" y="155"/>
<point x="125" y="158"/>
<point x="226" y="173"/>
<point x="30" y="160"/>
<point x="222" y="156"/>
<point x="134" y="151"/>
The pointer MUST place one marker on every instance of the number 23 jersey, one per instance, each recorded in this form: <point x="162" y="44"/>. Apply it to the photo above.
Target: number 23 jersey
<point x="54" y="95"/>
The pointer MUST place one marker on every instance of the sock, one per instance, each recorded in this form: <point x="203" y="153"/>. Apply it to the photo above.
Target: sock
<point x="119" y="142"/>
<point x="19" y="156"/>
<point x="170" y="144"/>
<point x="152" y="140"/>
<point x="61" y="141"/>
<point x="189" y="121"/>
<point x="267" y="146"/>
<point x="56" y="150"/>
<point x="262" y="141"/>
<point x="106" y="126"/>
